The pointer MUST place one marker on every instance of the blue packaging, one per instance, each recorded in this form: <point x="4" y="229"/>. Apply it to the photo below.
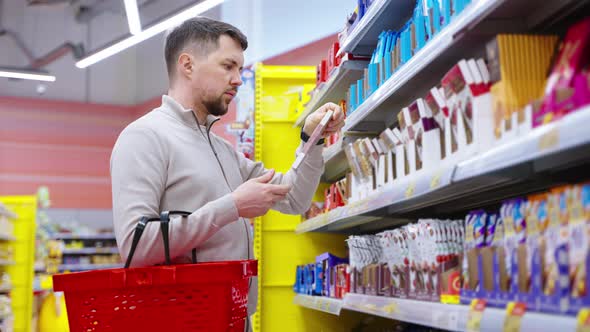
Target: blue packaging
<point x="446" y="12"/>
<point x="406" y="43"/>
<point x="373" y="78"/>
<point x="352" y="101"/>
<point x="360" y="94"/>
<point x="419" y="27"/>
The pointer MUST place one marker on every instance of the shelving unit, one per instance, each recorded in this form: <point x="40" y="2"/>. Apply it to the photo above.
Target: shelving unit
<point x="7" y="237"/>
<point x="335" y="162"/>
<point x="68" y="236"/>
<point x="516" y="167"/>
<point x="86" y="267"/>
<point x="334" y="89"/>
<point x="20" y="267"/>
<point x="6" y="262"/>
<point x="79" y="267"/>
<point x="90" y="251"/>
<point x="325" y="304"/>
<point x="381" y="15"/>
<point x="442" y="316"/>
<point x="465" y="35"/>
<point x="546" y="157"/>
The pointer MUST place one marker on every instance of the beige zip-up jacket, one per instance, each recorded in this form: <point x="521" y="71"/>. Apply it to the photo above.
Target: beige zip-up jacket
<point x="166" y="161"/>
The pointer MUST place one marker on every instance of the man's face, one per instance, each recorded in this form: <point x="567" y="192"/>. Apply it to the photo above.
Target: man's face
<point x="217" y="76"/>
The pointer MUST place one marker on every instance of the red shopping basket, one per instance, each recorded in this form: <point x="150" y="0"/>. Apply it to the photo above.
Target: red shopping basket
<point x="191" y="297"/>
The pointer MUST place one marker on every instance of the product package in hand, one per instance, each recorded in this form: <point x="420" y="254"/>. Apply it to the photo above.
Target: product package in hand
<point x="313" y="139"/>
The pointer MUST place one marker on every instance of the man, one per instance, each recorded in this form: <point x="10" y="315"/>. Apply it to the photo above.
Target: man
<point x="170" y="160"/>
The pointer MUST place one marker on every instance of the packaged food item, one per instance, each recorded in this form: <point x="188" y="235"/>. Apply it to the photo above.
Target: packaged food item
<point x="579" y="211"/>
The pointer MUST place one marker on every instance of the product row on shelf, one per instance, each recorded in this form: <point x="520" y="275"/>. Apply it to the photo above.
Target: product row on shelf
<point x="70" y="252"/>
<point x="6" y="236"/>
<point x="479" y="107"/>
<point x="6" y="259"/>
<point x="424" y="137"/>
<point x="532" y="250"/>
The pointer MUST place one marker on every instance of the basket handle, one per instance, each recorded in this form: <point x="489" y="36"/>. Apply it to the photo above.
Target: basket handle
<point x="164" y="228"/>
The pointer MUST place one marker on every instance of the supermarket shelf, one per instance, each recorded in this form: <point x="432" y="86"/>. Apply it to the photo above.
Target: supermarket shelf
<point x="325" y="304"/>
<point x="438" y="315"/>
<point x="548" y="139"/>
<point x="381" y="15"/>
<point x="79" y="267"/>
<point x="4" y="290"/>
<point x="86" y="251"/>
<point x="68" y="236"/>
<point x="86" y="267"/>
<point x="527" y="164"/>
<point x="452" y="317"/>
<point x="473" y="27"/>
<point x="7" y="213"/>
<point x="335" y="88"/>
<point x="39" y="267"/>
<point x="4" y="262"/>
<point x="7" y="237"/>
<point x="335" y="162"/>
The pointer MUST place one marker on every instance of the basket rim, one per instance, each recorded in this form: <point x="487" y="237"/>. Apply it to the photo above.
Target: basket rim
<point x="154" y="276"/>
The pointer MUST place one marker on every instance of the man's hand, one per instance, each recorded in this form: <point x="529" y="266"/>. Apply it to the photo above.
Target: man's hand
<point x="256" y="196"/>
<point x="335" y="124"/>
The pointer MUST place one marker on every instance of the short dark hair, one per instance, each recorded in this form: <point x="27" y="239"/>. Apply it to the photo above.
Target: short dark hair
<point x="205" y="32"/>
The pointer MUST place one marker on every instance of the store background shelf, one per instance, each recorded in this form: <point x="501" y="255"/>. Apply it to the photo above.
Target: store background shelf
<point x="473" y="27"/>
<point x="87" y="267"/>
<point x="335" y="88"/>
<point x="442" y="316"/>
<point x="90" y="251"/>
<point x="4" y="290"/>
<point x="381" y="15"/>
<point x="7" y="237"/>
<point x="68" y="236"/>
<point x="325" y="304"/>
<point x="6" y="262"/>
<point x="527" y="164"/>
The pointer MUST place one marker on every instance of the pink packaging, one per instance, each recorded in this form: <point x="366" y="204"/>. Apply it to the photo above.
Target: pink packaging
<point x="562" y="94"/>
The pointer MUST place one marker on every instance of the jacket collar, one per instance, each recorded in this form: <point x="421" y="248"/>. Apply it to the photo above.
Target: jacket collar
<point x="185" y="115"/>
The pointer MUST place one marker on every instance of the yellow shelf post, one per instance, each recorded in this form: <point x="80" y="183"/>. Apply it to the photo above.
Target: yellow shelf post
<point x="279" y="93"/>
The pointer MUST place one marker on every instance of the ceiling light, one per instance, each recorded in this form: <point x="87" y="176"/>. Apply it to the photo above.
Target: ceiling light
<point x="25" y="74"/>
<point x="155" y="29"/>
<point x="133" y="16"/>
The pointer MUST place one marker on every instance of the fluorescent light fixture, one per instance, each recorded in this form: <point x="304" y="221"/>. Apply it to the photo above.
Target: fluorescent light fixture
<point x="25" y="74"/>
<point x="155" y="29"/>
<point x="133" y="16"/>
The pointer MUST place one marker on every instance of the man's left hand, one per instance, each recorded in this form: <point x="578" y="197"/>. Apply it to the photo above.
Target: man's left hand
<point x="334" y="125"/>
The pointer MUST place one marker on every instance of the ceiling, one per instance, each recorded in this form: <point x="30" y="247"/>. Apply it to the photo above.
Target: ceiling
<point x="137" y="74"/>
<point x="127" y="78"/>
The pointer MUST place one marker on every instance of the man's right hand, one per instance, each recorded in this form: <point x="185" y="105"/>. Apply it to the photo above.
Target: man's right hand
<point x="256" y="196"/>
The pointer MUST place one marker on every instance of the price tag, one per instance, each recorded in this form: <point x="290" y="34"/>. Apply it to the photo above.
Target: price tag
<point x="411" y="189"/>
<point x="475" y="314"/>
<point x="549" y="139"/>
<point x="514" y="313"/>
<point x="435" y="182"/>
<point x="583" y="320"/>
<point x="371" y="307"/>
<point x="389" y="309"/>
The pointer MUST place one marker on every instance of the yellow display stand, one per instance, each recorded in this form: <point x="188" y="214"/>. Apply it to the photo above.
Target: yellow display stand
<point x="280" y="91"/>
<point x="21" y="273"/>
<point x="53" y="316"/>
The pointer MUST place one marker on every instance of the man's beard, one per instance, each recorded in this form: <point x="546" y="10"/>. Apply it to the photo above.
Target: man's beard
<point x="216" y="107"/>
